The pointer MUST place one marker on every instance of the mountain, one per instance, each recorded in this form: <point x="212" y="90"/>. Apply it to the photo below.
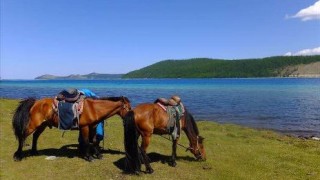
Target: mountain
<point x="92" y="76"/>
<point x="279" y="66"/>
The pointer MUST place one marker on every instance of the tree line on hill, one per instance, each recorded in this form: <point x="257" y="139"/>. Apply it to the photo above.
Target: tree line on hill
<point x="217" y="68"/>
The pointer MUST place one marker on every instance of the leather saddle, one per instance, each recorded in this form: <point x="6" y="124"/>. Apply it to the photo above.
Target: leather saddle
<point x="69" y="95"/>
<point x="173" y="101"/>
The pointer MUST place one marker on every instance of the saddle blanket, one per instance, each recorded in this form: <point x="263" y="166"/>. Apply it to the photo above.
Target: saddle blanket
<point x="175" y="113"/>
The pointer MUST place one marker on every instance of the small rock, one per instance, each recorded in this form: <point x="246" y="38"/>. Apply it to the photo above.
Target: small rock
<point x="206" y="166"/>
<point x="315" y="138"/>
<point x="51" y="157"/>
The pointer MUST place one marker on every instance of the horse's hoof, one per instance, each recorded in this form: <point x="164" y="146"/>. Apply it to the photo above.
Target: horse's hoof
<point x="99" y="156"/>
<point x="173" y="163"/>
<point x="17" y="157"/>
<point x="88" y="158"/>
<point x="150" y="171"/>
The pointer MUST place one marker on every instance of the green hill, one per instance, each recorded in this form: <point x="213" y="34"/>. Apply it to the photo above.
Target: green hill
<point x="217" y="68"/>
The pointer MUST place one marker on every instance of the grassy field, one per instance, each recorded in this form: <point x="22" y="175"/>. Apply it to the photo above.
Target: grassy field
<point x="233" y="152"/>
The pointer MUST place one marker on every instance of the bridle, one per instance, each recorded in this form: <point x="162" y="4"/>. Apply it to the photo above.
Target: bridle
<point x="198" y="156"/>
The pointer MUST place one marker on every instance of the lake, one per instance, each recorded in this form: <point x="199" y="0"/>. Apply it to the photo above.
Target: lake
<point x="287" y="105"/>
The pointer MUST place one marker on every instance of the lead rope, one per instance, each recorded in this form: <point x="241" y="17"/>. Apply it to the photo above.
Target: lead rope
<point x="177" y="142"/>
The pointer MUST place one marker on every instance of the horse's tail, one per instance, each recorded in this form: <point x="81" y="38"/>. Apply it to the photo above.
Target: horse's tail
<point x="133" y="156"/>
<point x="21" y="118"/>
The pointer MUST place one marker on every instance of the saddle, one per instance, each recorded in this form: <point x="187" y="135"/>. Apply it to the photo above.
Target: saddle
<point x="70" y="95"/>
<point x="173" y="101"/>
<point x="175" y="111"/>
<point x="69" y="105"/>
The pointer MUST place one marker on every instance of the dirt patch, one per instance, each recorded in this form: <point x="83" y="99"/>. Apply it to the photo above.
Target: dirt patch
<point x="302" y="70"/>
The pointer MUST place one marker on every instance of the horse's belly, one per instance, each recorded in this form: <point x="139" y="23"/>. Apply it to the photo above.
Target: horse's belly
<point x="160" y="131"/>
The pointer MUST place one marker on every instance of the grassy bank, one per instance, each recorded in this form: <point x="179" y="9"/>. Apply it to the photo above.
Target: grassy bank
<point x="233" y="152"/>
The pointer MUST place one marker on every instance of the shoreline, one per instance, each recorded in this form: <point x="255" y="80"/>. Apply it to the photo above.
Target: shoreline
<point x="315" y="76"/>
<point x="291" y="76"/>
<point x="292" y="133"/>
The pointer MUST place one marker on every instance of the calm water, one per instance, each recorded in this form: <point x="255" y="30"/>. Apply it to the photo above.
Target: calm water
<point x="287" y="105"/>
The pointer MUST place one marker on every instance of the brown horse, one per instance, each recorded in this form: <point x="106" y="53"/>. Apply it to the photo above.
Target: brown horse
<point x="147" y="119"/>
<point x="33" y="116"/>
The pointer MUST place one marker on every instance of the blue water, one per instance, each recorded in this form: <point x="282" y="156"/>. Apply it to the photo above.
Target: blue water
<point x="288" y="105"/>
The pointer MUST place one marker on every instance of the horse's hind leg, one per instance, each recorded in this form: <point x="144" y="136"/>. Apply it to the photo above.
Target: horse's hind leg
<point x="36" y="135"/>
<point x="17" y="156"/>
<point x="146" y="160"/>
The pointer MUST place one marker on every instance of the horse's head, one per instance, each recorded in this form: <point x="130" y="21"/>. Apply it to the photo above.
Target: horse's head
<point x="196" y="141"/>
<point x="197" y="148"/>
<point x="126" y="106"/>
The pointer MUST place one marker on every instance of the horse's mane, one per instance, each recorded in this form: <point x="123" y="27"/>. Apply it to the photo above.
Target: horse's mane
<point x="114" y="98"/>
<point x="191" y="125"/>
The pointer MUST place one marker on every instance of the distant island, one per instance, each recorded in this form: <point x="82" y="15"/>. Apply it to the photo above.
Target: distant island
<point x="93" y="76"/>
<point x="278" y="66"/>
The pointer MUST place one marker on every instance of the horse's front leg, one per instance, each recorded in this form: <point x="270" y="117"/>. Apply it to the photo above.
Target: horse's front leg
<point x="146" y="160"/>
<point x="172" y="162"/>
<point x="36" y="135"/>
<point x="86" y="143"/>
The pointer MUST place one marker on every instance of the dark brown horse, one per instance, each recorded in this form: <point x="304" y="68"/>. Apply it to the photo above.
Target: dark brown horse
<point x="147" y="119"/>
<point x="33" y="116"/>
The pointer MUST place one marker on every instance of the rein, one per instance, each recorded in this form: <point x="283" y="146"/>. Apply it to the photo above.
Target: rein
<point x="187" y="148"/>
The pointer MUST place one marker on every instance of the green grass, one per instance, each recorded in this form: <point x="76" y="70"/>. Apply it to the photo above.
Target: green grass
<point x="233" y="152"/>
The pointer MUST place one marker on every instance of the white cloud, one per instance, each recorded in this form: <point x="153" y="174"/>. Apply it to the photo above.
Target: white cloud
<point x="309" y="13"/>
<point x="305" y="52"/>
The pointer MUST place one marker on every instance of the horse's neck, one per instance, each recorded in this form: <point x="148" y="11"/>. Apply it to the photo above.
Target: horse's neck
<point x="105" y="108"/>
<point x="192" y="137"/>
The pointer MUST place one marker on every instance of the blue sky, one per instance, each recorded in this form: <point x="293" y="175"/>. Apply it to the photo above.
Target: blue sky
<point x="65" y="37"/>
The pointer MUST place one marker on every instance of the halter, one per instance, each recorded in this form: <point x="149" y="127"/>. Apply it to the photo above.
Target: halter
<point x="198" y="149"/>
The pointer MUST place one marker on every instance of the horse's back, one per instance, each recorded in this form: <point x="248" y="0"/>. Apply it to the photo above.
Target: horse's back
<point x="44" y="104"/>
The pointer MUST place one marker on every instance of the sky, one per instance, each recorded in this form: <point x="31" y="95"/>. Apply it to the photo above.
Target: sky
<point x="64" y="37"/>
